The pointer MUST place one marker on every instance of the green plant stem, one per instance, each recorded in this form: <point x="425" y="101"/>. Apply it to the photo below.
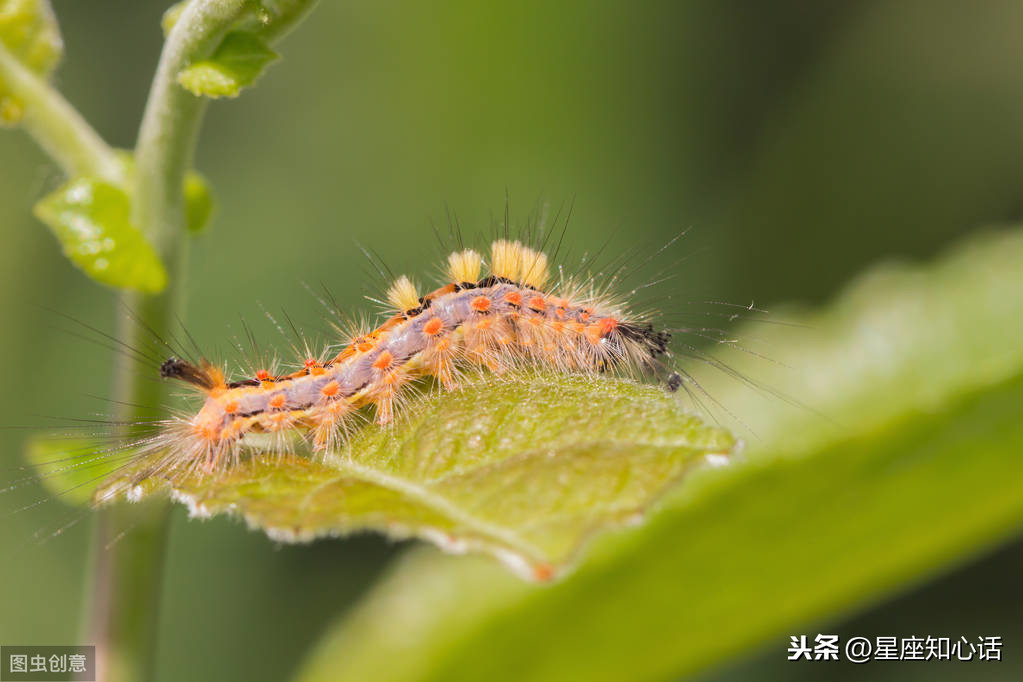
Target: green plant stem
<point x="129" y="545"/>
<point x="57" y="126"/>
<point x="289" y="14"/>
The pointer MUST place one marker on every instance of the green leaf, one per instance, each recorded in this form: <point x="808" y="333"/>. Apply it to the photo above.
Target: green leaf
<point x="28" y="29"/>
<point x="916" y="467"/>
<point x="199" y="202"/>
<point x="170" y="16"/>
<point x="70" y="468"/>
<point x="524" y="469"/>
<point x="91" y="220"/>
<point x="236" y="64"/>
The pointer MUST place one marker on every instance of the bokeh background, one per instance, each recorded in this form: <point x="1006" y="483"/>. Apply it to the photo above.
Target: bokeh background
<point x="798" y="141"/>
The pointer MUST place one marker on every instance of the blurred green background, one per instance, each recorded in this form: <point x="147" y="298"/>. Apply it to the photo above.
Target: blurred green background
<point x="800" y="142"/>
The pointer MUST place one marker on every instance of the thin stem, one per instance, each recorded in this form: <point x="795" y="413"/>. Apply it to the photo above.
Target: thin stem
<point x="170" y="124"/>
<point x="56" y="125"/>
<point x="130" y="542"/>
<point x="288" y="13"/>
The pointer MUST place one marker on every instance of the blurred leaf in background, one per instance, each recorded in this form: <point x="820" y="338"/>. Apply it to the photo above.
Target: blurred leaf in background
<point x="30" y="33"/>
<point x="92" y="221"/>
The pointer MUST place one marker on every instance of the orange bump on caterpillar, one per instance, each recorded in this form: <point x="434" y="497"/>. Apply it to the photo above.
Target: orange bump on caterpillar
<point x="433" y="326"/>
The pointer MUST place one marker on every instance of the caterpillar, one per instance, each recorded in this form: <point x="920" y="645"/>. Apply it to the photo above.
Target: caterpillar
<point x="491" y="314"/>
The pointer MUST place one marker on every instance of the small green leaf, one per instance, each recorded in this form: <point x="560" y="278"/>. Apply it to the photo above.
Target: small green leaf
<point x="28" y="29"/>
<point x="91" y="220"/>
<point x="70" y="468"/>
<point x="524" y="469"/>
<point x="236" y="64"/>
<point x="170" y="16"/>
<point x="199" y="202"/>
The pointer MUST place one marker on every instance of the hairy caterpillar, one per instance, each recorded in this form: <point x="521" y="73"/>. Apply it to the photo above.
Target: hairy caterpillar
<point x="492" y="314"/>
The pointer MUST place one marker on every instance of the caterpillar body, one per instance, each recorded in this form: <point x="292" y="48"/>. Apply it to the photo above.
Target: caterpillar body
<point x="492" y="314"/>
